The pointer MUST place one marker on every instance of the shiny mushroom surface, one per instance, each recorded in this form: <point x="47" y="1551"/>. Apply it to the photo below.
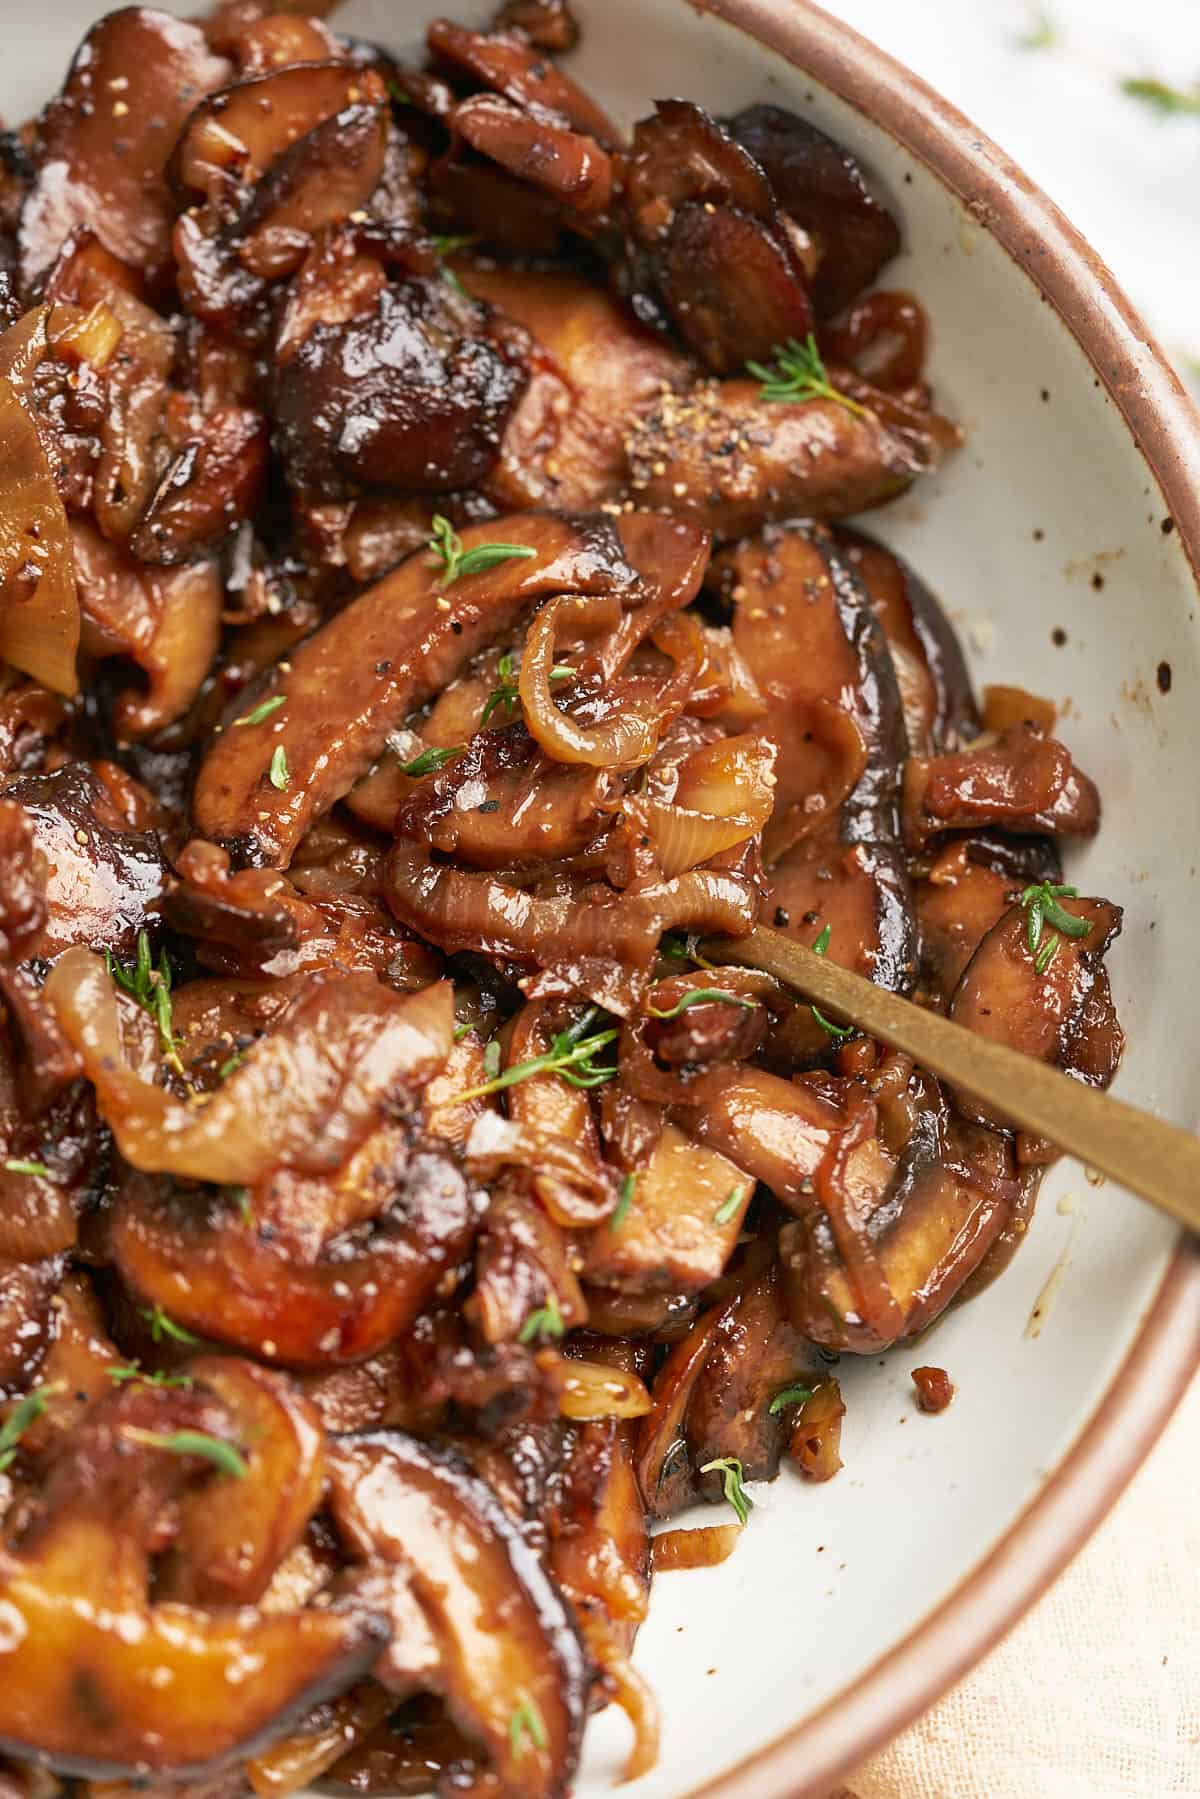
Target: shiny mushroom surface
<point x="432" y="601"/>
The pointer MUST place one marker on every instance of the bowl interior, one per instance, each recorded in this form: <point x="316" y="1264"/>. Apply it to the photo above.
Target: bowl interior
<point x="1048" y="522"/>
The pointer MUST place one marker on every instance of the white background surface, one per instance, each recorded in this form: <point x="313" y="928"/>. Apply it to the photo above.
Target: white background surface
<point x="1128" y="178"/>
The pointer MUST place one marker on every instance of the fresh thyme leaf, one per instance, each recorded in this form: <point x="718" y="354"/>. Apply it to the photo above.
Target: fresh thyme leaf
<point x="16" y="1165"/>
<point x="230" y="1064"/>
<point x="161" y="1326"/>
<point x="624" y="1199"/>
<point x="450" y="246"/>
<point x="507" y="692"/>
<point x="728" y="1206"/>
<point x="827" y="1024"/>
<point x="263" y="711"/>
<point x="1042" y="33"/>
<point x="1042" y="908"/>
<point x="1161" y="97"/>
<point x="789" y="1396"/>
<point x="700" y="996"/>
<point x="526" y="1726"/>
<point x="462" y="1030"/>
<point x="277" y="773"/>
<point x="397" y="92"/>
<point x="160" y="1378"/>
<point x="241" y="1199"/>
<point x="21" y="1417"/>
<point x="450" y="277"/>
<point x="735" y="1492"/>
<point x="151" y="988"/>
<point x="491" y="1059"/>
<point x="222" y="1455"/>
<point x="571" y="1055"/>
<point x="799" y="375"/>
<point x="446" y="545"/>
<point x="430" y="760"/>
<point x="547" y="1321"/>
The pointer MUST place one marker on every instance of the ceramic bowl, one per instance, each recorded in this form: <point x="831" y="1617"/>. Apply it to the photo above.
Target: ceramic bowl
<point x="1064" y="540"/>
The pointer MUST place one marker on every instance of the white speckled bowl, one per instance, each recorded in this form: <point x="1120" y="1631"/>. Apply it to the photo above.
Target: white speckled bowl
<point x="1072" y="509"/>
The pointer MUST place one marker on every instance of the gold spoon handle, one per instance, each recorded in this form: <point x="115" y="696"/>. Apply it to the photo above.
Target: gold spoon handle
<point x="1152" y="1158"/>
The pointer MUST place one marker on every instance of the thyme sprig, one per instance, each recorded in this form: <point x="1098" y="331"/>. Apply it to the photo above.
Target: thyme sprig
<point x="797" y="374"/>
<point x="446" y="545"/>
<point x="21" y="1417"/>
<point x="735" y="1492"/>
<point x="222" y="1455"/>
<point x="1042" y="909"/>
<point x="507" y="691"/>
<point x="430" y="760"/>
<point x="702" y="996"/>
<point x="547" y="1321"/>
<point x="572" y="1056"/>
<point x="151" y="988"/>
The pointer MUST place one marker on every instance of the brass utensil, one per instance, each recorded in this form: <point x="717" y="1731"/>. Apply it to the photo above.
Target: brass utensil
<point x="1154" y="1159"/>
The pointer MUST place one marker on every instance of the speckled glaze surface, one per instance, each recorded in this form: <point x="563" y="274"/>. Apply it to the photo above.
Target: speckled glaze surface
<point x="1063" y="539"/>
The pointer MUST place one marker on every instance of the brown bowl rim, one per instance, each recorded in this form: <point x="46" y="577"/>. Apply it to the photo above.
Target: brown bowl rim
<point x="809" y="1759"/>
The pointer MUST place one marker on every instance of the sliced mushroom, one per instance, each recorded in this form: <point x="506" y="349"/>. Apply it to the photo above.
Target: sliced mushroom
<point x="1050" y="1002"/>
<point x="103" y="144"/>
<point x="378" y="659"/>
<point x="681" y="1223"/>
<point x="1021" y="781"/>
<point x="755" y="1355"/>
<point x="520" y="1692"/>
<point x="722" y="454"/>
<point x="102" y="1683"/>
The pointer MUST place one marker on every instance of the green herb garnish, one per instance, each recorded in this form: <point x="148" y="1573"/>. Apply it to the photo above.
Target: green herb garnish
<point x="151" y="988"/>
<point x="789" y="1396"/>
<point x="15" y="1165"/>
<point x="701" y="996"/>
<point x="547" y="1321"/>
<point x="827" y="1024"/>
<point x="447" y="548"/>
<point x="727" y="1209"/>
<point x="1041" y="909"/>
<point x="263" y="711"/>
<point x="161" y="1326"/>
<point x="450" y="246"/>
<point x="397" y="92"/>
<point x="491" y="1059"/>
<point x="507" y="692"/>
<point x="230" y="1065"/>
<point x="735" y="1492"/>
<point x="1161" y="97"/>
<point x="430" y="760"/>
<point x="131" y="1371"/>
<point x="571" y="1055"/>
<point x="21" y="1417"/>
<point x="1042" y="33"/>
<point x="624" y="1198"/>
<point x="277" y="773"/>
<point x="222" y="1455"/>
<point x="525" y="1727"/>
<point x="799" y="375"/>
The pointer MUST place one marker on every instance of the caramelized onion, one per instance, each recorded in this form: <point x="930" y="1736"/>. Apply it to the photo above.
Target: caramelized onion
<point x="630" y="735"/>
<point x="39" y="620"/>
<point x="706" y="1547"/>
<point x="466" y="911"/>
<point x="303" y="1098"/>
<point x="596" y="1390"/>
<point x="725" y="794"/>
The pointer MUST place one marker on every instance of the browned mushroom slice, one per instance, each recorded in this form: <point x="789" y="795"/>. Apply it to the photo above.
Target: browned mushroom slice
<point x="1021" y="781"/>
<point x="681" y="1223"/>
<point x="103" y="878"/>
<point x="926" y="1233"/>
<point x="756" y="1354"/>
<point x="522" y="1268"/>
<point x="820" y="187"/>
<point x="213" y="483"/>
<point x="809" y="637"/>
<point x="662" y="1462"/>
<point x="168" y="622"/>
<point x="546" y="23"/>
<point x="520" y="1692"/>
<point x="566" y="166"/>
<point x="935" y="689"/>
<point x="226" y="1555"/>
<point x="1037" y="1000"/>
<point x="725" y="456"/>
<point x="778" y="1131"/>
<point x="202" y="1263"/>
<point x="710" y="234"/>
<point x="100" y="1682"/>
<point x="103" y="144"/>
<point x="509" y="65"/>
<point x="377" y="660"/>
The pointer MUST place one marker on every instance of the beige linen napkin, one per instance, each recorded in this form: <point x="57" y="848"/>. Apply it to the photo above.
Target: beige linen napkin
<point x="1096" y="1694"/>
